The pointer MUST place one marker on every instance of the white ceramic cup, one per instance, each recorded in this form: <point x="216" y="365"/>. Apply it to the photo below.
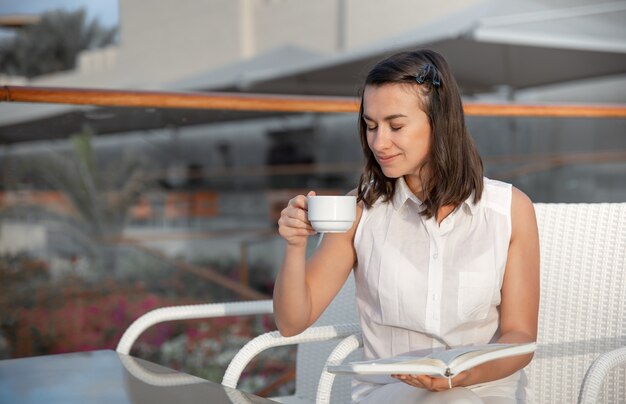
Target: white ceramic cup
<point x="331" y="213"/>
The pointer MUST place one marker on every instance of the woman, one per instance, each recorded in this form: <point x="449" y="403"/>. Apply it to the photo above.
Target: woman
<point x="442" y="257"/>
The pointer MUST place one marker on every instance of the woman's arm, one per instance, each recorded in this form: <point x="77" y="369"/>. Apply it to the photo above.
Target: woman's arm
<point x="303" y="289"/>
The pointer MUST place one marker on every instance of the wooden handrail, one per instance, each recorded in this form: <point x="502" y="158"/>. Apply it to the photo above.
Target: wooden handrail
<point x="274" y="103"/>
<point x="545" y="111"/>
<point x="191" y="100"/>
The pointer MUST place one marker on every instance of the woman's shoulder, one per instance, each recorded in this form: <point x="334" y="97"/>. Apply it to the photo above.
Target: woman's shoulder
<point x="496" y="185"/>
<point x="506" y="199"/>
<point x="371" y="215"/>
<point x="497" y="195"/>
<point x="521" y="204"/>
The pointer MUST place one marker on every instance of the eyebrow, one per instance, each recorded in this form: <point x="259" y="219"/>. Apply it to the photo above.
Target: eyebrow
<point x="387" y="118"/>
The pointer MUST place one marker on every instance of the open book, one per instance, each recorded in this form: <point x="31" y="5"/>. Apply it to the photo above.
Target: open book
<point x="444" y="363"/>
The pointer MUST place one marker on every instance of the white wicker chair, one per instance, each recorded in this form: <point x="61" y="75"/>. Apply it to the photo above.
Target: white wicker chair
<point x="582" y="315"/>
<point x="581" y="355"/>
<point x="582" y="321"/>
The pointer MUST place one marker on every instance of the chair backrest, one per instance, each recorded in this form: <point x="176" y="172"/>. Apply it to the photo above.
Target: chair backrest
<point x="583" y="298"/>
<point x="312" y="356"/>
<point x="582" y="312"/>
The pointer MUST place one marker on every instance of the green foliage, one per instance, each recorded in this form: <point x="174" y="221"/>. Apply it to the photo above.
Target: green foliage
<point x="102" y="196"/>
<point x="53" y="44"/>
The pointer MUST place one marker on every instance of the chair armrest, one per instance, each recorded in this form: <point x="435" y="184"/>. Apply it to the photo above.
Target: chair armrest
<point x="190" y="312"/>
<point x="338" y="355"/>
<point x="597" y="371"/>
<point x="274" y="339"/>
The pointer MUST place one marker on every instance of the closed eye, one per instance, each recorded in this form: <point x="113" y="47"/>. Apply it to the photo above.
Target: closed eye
<point x="369" y="124"/>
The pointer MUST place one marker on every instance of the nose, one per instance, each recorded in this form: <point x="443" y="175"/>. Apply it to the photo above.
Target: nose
<point x="379" y="140"/>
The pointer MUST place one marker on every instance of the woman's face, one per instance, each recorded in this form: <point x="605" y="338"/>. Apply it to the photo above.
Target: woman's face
<point x="398" y="130"/>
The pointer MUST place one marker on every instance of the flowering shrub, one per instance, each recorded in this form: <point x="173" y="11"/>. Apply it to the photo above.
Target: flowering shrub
<point x="75" y="320"/>
<point x="71" y="314"/>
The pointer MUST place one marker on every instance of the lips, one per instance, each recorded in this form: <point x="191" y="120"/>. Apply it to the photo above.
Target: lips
<point x="386" y="159"/>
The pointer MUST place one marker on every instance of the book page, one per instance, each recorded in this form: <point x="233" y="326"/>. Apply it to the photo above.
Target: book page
<point x="394" y="365"/>
<point x="455" y="355"/>
<point x="489" y="353"/>
<point x="436" y="363"/>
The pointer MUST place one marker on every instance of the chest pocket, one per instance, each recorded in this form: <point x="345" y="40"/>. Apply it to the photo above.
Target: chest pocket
<point x="477" y="283"/>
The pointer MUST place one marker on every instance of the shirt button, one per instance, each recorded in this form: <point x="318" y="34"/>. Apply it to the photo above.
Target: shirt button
<point x="435" y="255"/>
<point x="435" y="297"/>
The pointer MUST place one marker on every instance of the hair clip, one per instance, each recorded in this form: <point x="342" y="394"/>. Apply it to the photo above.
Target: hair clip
<point x="428" y="71"/>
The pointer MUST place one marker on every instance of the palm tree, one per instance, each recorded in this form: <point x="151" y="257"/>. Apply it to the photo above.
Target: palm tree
<point x="101" y="197"/>
<point x="53" y="44"/>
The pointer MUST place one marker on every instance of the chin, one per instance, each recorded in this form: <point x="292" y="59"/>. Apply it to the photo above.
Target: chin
<point x="389" y="173"/>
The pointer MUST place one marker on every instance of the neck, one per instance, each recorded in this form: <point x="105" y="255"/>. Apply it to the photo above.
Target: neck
<point x="415" y="185"/>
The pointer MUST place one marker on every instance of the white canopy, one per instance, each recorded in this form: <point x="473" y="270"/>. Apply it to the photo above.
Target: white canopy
<point x="487" y="47"/>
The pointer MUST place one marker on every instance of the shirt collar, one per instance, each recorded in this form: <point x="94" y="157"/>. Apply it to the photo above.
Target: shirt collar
<point x="403" y="192"/>
<point x="470" y="205"/>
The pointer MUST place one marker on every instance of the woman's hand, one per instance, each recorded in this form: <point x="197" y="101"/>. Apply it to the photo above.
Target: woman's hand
<point x="432" y="383"/>
<point x="294" y="225"/>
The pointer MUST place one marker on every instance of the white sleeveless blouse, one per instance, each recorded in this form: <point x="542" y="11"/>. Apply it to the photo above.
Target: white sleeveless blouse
<point x="424" y="286"/>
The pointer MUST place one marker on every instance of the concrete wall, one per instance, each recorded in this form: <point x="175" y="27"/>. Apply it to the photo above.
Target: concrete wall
<point x="164" y="42"/>
<point x="161" y="40"/>
<point x="308" y="24"/>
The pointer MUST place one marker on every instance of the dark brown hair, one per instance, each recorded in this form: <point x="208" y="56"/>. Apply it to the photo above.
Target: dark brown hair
<point x="454" y="166"/>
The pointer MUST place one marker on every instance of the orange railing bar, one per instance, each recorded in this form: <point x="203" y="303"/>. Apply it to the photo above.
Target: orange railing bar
<point x="274" y="103"/>
<point x="168" y="99"/>
<point x="545" y="110"/>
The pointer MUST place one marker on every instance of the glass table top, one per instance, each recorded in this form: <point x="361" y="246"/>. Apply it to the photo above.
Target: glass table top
<point x="107" y="377"/>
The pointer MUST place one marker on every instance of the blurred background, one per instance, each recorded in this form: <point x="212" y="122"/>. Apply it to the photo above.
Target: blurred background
<point x="108" y="212"/>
